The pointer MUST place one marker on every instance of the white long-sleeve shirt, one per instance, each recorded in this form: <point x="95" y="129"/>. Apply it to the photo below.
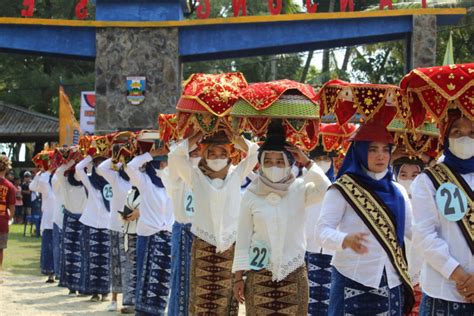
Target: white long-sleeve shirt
<point x="41" y="185"/>
<point x="337" y="220"/>
<point x="313" y="244"/>
<point x="95" y="214"/>
<point x="156" y="210"/>
<point x="217" y="201"/>
<point x="58" y="215"/>
<point x="178" y="192"/>
<point x="120" y="188"/>
<point x="279" y="223"/>
<point x="73" y="197"/>
<point x="441" y="242"/>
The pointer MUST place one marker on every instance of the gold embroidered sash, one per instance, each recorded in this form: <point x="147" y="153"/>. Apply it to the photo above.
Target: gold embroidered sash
<point x="440" y="174"/>
<point x="380" y="221"/>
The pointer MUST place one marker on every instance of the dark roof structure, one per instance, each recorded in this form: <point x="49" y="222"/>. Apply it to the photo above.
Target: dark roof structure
<point x="20" y="125"/>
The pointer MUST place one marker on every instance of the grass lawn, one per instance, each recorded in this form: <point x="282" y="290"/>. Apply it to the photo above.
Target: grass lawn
<point x="23" y="253"/>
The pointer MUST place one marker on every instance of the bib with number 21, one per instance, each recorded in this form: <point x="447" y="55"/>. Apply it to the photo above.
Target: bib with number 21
<point x="451" y="202"/>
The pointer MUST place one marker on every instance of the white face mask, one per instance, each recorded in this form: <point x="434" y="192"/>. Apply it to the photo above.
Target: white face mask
<point x="406" y="184"/>
<point x="325" y="165"/>
<point x="195" y="160"/>
<point x="462" y="147"/>
<point x="217" y="164"/>
<point x="275" y="174"/>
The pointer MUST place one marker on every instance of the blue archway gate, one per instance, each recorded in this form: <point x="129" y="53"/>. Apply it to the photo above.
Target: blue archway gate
<point x="150" y="39"/>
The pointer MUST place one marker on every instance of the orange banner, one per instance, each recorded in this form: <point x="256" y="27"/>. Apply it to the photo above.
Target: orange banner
<point x="69" y="128"/>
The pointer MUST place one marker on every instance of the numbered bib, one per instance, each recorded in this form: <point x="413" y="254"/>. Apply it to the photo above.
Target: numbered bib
<point x="451" y="202"/>
<point x="259" y="255"/>
<point x="189" y="204"/>
<point x="107" y="192"/>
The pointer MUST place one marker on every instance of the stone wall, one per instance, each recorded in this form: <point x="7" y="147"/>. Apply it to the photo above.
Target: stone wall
<point x="122" y="52"/>
<point x="423" y="41"/>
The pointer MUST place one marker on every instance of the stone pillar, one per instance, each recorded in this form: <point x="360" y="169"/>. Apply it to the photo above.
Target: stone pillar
<point x="423" y="41"/>
<point x="149" y="52"/>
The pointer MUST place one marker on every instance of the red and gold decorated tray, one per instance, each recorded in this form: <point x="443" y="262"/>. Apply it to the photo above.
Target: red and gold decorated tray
<point x="44" y="159"/>
<point x="434" y="90"/>
<point x="168" y="127"/>
<point x="207" y="100"/>
<point x="369" y="101"/>
<point x="334" y="137"/>
<point x="292" y="102"/>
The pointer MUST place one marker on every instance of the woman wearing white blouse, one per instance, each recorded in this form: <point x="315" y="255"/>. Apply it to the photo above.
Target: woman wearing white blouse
<point x="72" y="194"/>
<point x="271" y="240"/>
<point x="364" y="219"/>
<point x="446" y="243"/>
<point x="95" y="234"/>
<point x="216" y="192"/>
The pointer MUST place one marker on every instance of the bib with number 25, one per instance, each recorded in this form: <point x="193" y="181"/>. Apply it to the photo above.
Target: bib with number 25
<point x="259" y="255"/>
<point x="107" y="192"/>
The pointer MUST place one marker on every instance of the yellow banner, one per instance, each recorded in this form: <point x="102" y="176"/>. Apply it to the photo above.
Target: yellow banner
<point x="69" y="128"/>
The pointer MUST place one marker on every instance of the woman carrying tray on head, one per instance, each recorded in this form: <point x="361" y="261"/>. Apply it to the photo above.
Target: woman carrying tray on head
<point x="365" y="217"/>
<point x="442" y="230"/>
<point x="271" y="240"/>
<point x="95" y="239"/>
<point x="216" y="190"/>
<point x="154" y="232"/>
<point x="72" y="193"/>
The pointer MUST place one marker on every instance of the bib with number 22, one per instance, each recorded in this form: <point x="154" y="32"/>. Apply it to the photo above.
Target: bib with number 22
<point x="189" y="207"/>
<point x="259" y="255"/>
<point x="451" y="202"/>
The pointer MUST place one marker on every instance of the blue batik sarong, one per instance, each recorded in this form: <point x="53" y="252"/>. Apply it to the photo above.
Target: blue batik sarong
<point x="435" y="306"/>
<point x="71" y="252"/>
<point x="47" y="258"/>
<point x="117" y="256"/>
<point x="129" y="276"/>
<point x="154" y="269"/>
<point x="57" y="250"/>
<point x="181" y="244"/>
<point x="96" y="266"/>
<point x="319" y="277"/>
<point x="349" y="297"/>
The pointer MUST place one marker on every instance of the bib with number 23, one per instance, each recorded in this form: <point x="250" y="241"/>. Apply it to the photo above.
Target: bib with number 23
<point x="259" y="255"/>
<point x="451" y="202"/>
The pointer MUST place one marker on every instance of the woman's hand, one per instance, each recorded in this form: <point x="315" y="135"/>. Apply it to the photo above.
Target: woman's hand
<point x="162" y="151"/>
<point x="132" y="216"/>
<point x="194" y="139"/>
<point x="356" y="241"/>
<point x="239" y="286"/>
<point x="299" y="155"/>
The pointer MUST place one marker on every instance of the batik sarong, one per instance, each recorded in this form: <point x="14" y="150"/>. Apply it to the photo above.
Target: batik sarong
<point x="96" y="266"/>
<point x="319" y="277"/>
<point x="349" y="297"/>
<point x="117" y="256"/>
<point x="435" y="306"/>
<point x="71" y="252"/>
<point x="154" y="259"/>
<point x="286" y="297"/>
<point x="47" y="259"/>
<point x="57" y="236"/>
<point x="211" y="280"/>
<point x="129" y="276"/>
<point x="181" y="243"/>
